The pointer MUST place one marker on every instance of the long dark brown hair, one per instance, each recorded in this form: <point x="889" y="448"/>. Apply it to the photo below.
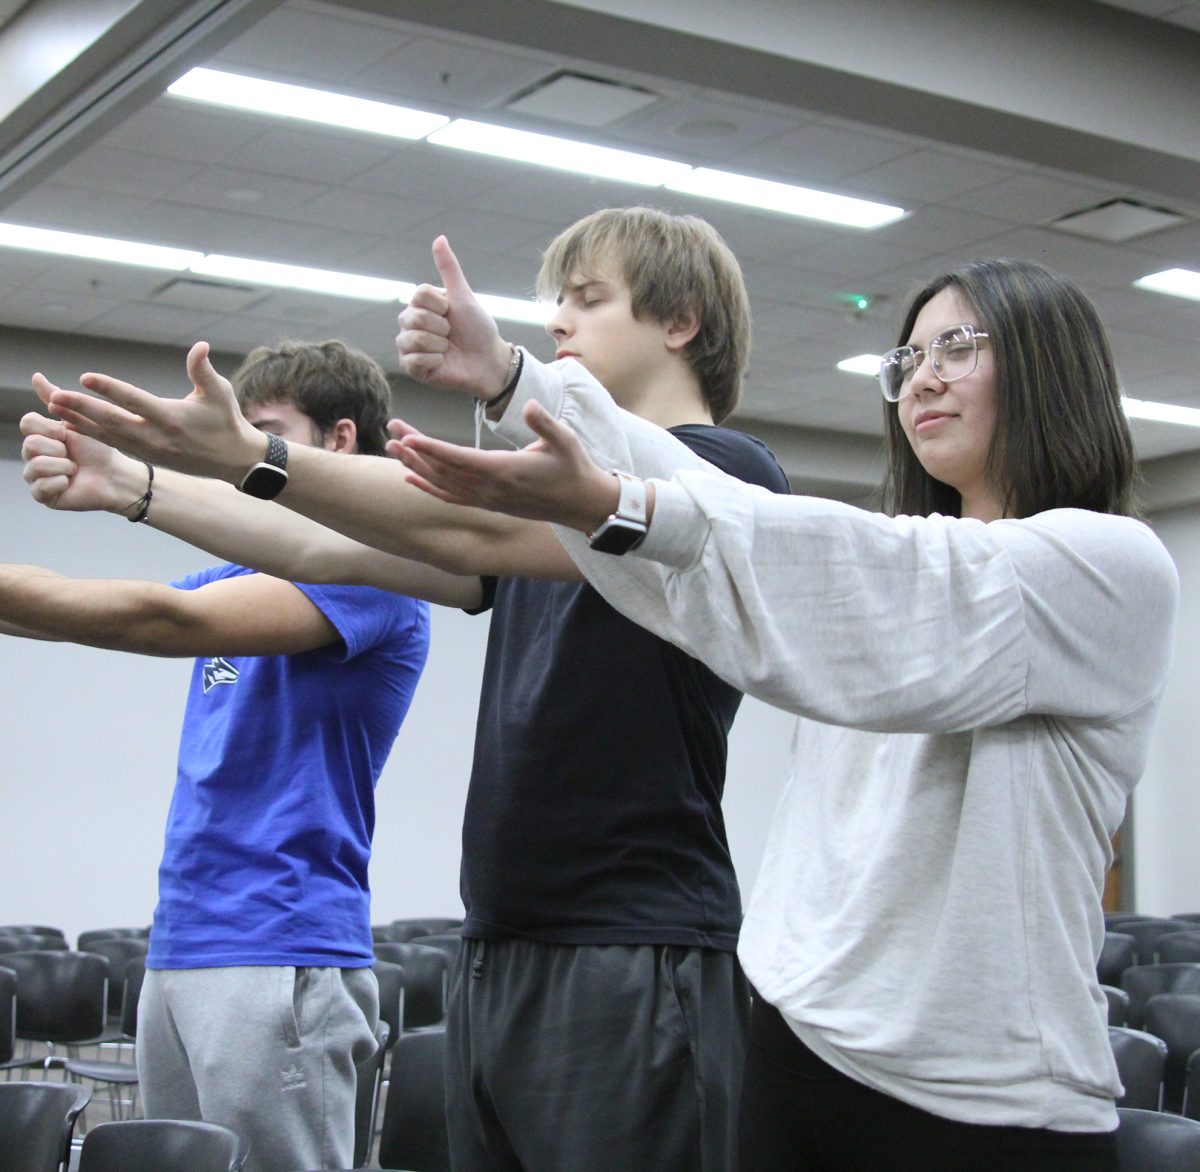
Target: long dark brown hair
<point x="1061" y="438"/>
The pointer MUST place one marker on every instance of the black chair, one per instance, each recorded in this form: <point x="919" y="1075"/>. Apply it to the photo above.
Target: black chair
<point x="115" y="1074"/>
<point x="1147" y="933"/>
<point x="156" y="1145"/>
<point x="36" y="1122"/>
<point x="1141" y="1061"/>
<point x="1175" y="1017"/>
<point x="1147" y="980"/>
<point x="366" y="1099"/>
<point x="1113" y="920"/>
<point x="62" y="1000"/>
<point x="1191" y="1088"/>
<point x="118" y="951"/>
<point x="31" y="930"/>
<point x="426" y="973"/>
<point x="391" y="997"/>
<point x="85" y="938"/>
<point x="1155" y="1141"/>
<point x="8" y="1015"/>
<point x="1179" y="948"/>
<point x="1118" y="1004"/>
<point x="448" y="942"/>
<point x="1117" y="953"/>
<point x="32" y="942"/>
<point x="414" y="928"/>
<point x="414" y="1114"/>
<point x="1189" y="917"/>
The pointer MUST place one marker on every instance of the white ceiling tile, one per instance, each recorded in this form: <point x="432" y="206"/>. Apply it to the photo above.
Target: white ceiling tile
<point x="152" y="323"/>
<point x="320" y="154"/>
<point x="931" y="176"/>
<point x="178" y="129"/>
<point x="432" y="73"/>
<point x="320" y="47"/>
<point x="125" y="172"/>
<point x="817" y="154"/>
<point x="1031" y="198"/>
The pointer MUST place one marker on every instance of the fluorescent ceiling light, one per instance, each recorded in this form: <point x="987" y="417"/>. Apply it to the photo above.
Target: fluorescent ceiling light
<point x="265" y="272"/>
<point x="1176" y="282"/>
<point x="564" y="154"/>
<point x="127" y="252"/>
<point x="535" y="313"/>
<point x="523" y="146"/>
<point x="784" y="197"/>
<point x="297" y="101"/>
<point x="1161" y="412"/>
<point x="861" y="364"/>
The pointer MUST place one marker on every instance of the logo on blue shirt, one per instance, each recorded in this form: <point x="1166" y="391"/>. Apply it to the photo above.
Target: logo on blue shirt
<point x="219" y="671"/>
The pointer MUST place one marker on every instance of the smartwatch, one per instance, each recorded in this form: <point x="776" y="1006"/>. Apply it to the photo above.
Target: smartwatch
<point x="624" y="529"/>
<point x="266" y="480"/>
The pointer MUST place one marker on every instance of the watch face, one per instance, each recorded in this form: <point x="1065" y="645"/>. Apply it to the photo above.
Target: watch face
<point x="264" y="481"/>
<point x="617" y="535"/>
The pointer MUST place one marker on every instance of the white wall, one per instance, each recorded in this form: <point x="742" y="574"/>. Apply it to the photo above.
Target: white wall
<point x="1167" y="801"/>
<point x="88" y="740"/>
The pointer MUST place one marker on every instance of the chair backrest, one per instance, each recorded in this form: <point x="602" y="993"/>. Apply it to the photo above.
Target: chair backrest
<point x="1114" y="920"/>
<point x="85" y="938"/>
<point x="1155" y="1141"/>
<point x="31" y="930"/>
<point x="414" y="928"/>
<point x="1118" y="1004"/>
<point x="426" y="974"/>
<point x="1175" y="1017"/>
<point x="1147" y="933"/>
<point x="1141" y="1060"/>
<point x="135" y="974"/>
<point x="448" y="942"/>
<point x="1176" y="947"/>
<point x="391" y="997"/>
<point x="8" y="1014"/>
<point x="1191" y="1085"/>
<point x="62" y="997"/>
<point x="1144" y="981"/>
<point x="414" y="1116"/>
<point x="366" y="1100"/>
<point x="1117" y="953"/>
<point x="1190" y="917"/>
<point x="36" y="1122"/>
<point x="118" y="951"/>
<point x="155" y="1145"/>
<point x="32" y="942"/>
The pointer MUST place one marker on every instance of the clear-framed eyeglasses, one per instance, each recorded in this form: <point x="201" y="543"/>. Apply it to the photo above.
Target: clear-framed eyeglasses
<point x="953" y="354"/>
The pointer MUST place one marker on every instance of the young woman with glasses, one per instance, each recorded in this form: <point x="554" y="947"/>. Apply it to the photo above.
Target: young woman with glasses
<point x="976" y="674"/>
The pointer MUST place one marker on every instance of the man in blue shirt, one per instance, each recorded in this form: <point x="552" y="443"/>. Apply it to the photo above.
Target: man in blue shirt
<point x="259" y="997"/>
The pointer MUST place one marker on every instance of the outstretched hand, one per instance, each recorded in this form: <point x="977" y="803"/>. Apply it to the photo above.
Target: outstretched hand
<point x="447" y="339"/>
<point x="70" y="472"/>
<point x="552" y="479"/>
<point x="204" y="433"/>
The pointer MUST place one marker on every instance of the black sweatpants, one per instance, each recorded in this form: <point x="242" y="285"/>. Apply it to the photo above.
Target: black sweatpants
<point x="567" y="1058"/>
<point x="800" y="1115"/>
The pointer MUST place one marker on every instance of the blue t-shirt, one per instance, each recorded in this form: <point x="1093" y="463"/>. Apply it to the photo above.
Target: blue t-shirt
<point x="269" y="831"/>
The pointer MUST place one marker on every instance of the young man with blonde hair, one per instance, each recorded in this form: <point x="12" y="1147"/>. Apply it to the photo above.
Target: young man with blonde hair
<point x="598" y="1013"/>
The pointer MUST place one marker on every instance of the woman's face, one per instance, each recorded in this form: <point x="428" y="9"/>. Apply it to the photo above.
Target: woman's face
<point x="950" y="425"/>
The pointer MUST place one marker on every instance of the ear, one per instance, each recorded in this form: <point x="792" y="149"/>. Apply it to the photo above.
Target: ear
<point x="682" y="330"/>
<point x="342" y="437"/>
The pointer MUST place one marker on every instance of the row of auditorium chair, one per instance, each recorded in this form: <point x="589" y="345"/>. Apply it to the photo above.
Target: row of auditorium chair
<point x="1149" y="969"/>
<point x="56" y="1001"/>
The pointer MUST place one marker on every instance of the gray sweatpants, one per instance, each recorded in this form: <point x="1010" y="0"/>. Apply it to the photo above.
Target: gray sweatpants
<point x="267" y="1051"/>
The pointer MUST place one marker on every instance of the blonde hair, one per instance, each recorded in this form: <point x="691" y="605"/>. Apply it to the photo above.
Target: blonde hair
<point x="673" y="265"/>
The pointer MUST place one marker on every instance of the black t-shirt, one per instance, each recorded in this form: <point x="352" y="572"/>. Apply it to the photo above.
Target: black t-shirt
<point x="594" y="809"/>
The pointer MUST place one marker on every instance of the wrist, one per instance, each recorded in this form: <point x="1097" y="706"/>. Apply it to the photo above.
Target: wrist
<point x="126" y="483"/>
<point x="504" y="369"/>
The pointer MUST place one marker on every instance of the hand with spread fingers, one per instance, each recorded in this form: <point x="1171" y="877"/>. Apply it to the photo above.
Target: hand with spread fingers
<point x="447" y="339"/>
<point x="69" y="472"/>
<point x="553" y="479"/>
<point x="204" y="433"/>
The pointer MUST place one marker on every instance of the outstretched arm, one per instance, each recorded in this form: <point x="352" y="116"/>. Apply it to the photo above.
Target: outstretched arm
<point x="365" y="498"/>
<point x="249" y="615"/>
<point x="69" y="471"/>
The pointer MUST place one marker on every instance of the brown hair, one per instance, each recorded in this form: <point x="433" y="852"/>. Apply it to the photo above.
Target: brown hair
<point x="327" y="381"/>
<point x="673" y="265"/>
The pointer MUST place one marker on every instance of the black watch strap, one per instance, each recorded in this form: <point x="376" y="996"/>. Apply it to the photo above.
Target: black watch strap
<point x="266" y="480"/>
